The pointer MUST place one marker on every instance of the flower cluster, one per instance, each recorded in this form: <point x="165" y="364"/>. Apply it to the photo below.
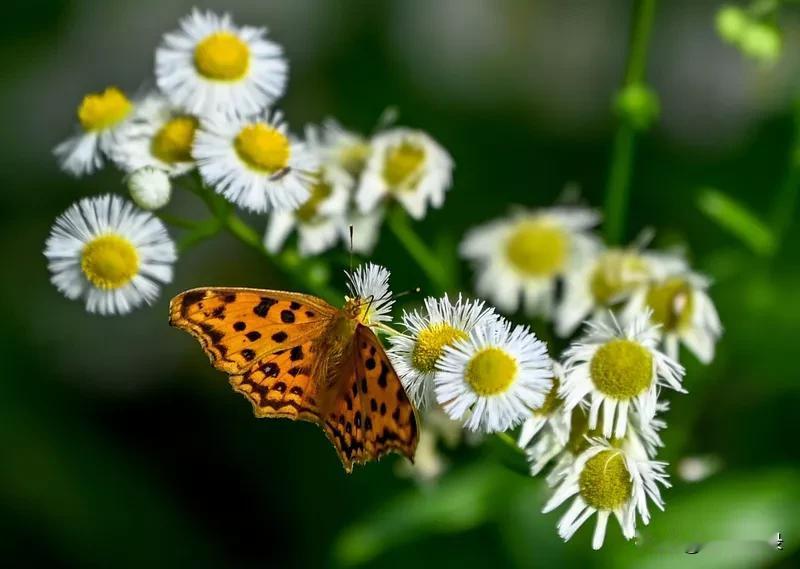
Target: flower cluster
<point x="592" y="414"/>
<point x="599" y="424"/>
<point x="211" y="125"/>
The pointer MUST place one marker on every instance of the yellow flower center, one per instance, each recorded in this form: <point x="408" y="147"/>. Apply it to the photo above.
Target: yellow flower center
<point x="579" y="426"/>
<point x="403" y="164"/>
<point x="491" y="371"/>
<point x="109" y="261"/>
<point x="616" y="274"/>
<point x="622" y="369"/>
<point x="263" y="148"/>
<point x="537" y="248"/>
<point x="671" y="302"/>
<point x="605" y="482"/>
<point x="222" y="56"/>
<point x="431" y="343"/>
<point x="99" y="111"/>
<point x="353" y="157"/>
<point x="580" y="433"/>
<point x="551" y="401"/>
<point x="173" y="142"/>
<point x="320" y="191"/>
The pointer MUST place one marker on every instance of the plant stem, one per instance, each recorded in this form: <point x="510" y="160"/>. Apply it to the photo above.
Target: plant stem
<point x="786" y="198"/>
<point x="199" y="232"/>
<point x="431" y="265"/>
<point x="178" y="221"/>
<point x="298" y="270"/>
<point x="509" y="441"/>
<point x="617" y="190"/>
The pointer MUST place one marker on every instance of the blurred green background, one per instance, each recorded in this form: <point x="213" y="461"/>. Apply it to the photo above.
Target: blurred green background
<point x="121" y="446"/>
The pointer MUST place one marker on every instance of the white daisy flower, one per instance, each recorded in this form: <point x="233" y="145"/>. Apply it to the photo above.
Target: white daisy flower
<point x="254" y="163"/>
<point x="209" y="65"/>
<point x="340" y="148"/>
<point x="157" y="136"/>
<point x="150" y="188"/>
<point x="100" y="115"/>
<point x="609" y="480"/>
<point x="550" y="445"/>
<point x="618" y="368"/>
<point x="440" y="324"/>
<point x="492" y="379"/>
<point x="647" y="424"/>
<point x="109" y="253"/>
<point x="551" y="408"/>
<point x="408" y="165"/>
<point x="319" y="220"/>
<point x="681" y="306"/>
<point x="605" y="280"/>
<point x="368" y="286"/>
<point x="519" y="259"/>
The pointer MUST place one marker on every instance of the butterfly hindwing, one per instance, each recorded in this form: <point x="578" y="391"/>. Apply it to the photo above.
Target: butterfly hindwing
<point x="237" y="327"/>
<point x="372" y="415"/>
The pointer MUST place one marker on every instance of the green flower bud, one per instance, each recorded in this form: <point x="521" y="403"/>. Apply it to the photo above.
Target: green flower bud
<point x="731" y="23"/>
<point x="637" y="105"/>
<point x="762" y="41"/>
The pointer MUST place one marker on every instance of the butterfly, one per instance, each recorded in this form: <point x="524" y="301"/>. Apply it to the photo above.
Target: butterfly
<point x="295" y="356"/>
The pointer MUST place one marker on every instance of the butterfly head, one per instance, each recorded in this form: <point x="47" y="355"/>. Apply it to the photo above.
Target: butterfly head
<point x="358" y="309"/>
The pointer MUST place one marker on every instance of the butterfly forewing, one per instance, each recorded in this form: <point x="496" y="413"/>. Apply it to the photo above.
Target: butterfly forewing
<point x="237" y="327"/>
<point x="280" y="384"/>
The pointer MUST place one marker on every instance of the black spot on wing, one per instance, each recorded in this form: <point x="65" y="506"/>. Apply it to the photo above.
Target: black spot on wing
<point x="192" y="297"/>
<point x="262" y="308"/>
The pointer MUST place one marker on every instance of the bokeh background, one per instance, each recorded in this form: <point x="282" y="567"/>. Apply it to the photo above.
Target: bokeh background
<point x="120" y="445"/>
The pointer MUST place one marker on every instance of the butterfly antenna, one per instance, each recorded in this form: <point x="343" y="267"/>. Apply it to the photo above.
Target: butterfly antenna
<point x="415" y="290"/>
<point x="351" y="248"/>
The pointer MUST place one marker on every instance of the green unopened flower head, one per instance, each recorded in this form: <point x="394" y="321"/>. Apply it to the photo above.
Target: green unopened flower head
<point x="762" y="41"/>
<point x="731" y="23"/>
<point x="638" y="105"/>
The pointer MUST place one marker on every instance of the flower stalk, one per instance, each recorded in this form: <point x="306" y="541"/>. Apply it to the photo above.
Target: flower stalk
<point x="637" y="107"/>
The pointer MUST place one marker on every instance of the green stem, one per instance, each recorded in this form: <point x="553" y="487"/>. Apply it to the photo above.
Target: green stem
<point x="431" y="265"/>
<point x="177" y="221"/>
<point x="200" y="232"/>
<point x="300" y="271"/>
<point x="786" y="199"/>
<point x="622" y="153"/>
<point x="509" y="441"/>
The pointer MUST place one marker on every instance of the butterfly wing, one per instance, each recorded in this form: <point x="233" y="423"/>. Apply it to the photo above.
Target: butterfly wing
<point x="278" y="349"/>
<point x="371" y="415"/>
<point x="238" y="327"/>
<point x="280" y="384"/>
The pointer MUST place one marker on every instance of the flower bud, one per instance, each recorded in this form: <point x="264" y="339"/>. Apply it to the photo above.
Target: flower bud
<point x="638" y="106"/>
<point x="150" y="188"/>
<point x="762" y="41"/>
<point x="731" y="23"/>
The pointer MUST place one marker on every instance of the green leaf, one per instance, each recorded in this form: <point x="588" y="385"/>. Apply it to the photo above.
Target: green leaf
<point x="737" y="220"/>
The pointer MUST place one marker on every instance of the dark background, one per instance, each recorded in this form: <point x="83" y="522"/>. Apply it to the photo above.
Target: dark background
<point x="122" y="447"/>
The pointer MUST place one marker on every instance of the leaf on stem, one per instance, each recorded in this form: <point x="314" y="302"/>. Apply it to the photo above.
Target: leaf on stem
<point x="737" y="220"/>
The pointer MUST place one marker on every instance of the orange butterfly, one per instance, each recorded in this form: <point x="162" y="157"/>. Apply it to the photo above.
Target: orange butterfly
<point x="295" y="356"/>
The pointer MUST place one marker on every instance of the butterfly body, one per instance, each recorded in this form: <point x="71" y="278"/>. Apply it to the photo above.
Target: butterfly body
<point x="295" y="356"/>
